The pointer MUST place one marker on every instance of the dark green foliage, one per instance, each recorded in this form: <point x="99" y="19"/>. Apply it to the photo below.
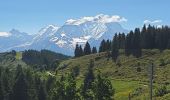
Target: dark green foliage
<point x="115" y="50"/>
<point x="105" y="46"/>
<point x="133" y="43"/>
<point x="78" y="51"/>
<point x="1" y="86"/>
<point x="88" y="82"/>
<point x="102" y="47"/>
<point x="162" y="90"/>
<point x="138" y="91"/>
<point x="138" y="69"/>
<point x="13" y="52"/>
<point x="94" y="50"/>
<point x="162" y="62"/>
<point x="66" y="89"/>
<point x="76" y="71"/>
<point x="26" y="83"/>
<point x="102" y="88"/>
<point x="136" y="44"/>
<point x="87" y="49"/>
<point x="71" y="90"/>
<point x="81" y="52"/>
<point x="43" y="58"/>
<point x="20" y="89"/>
<point x="121" y="41"/>
<point x="42" y="93"/>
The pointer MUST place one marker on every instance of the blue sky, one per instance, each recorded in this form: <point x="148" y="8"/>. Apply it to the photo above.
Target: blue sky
<point x="31" y="15"/>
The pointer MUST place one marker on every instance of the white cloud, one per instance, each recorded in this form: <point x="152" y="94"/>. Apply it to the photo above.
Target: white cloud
<point x="4" y="34"/>
<point x="152" y="22"/>
<point x="100" y="18"/>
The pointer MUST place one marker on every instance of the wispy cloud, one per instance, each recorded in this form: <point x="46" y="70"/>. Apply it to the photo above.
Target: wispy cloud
<point x="4" y="34"/>
<point x="152" y="22"/>
<point x="100" y="18"/>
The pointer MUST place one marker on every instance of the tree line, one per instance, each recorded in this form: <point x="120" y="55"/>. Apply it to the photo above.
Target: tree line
<point x="149" y="37"/>
<point x="24" y="83"/>
<point x="43" y="59"/>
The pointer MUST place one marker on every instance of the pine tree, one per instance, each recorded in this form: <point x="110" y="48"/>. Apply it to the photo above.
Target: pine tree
<point x="81" y="52"/>
<point x="71" y="90"/>
<point x="42" y="94"/>
<point x="129" y="43"/>
<point x="102" y="88"/>
<point x="20" y="90"/>
<point x="137" y="52"/>
<point x="102" y="47"/>
<point x="115" y="50"/>
<point x="94" y="50"/>
<point x="59" y="91"/>
<point x="1" y="88"/>
<point x="87" y="49"/>
<point x="77" y="51"/>
<point x="86" y="88"/>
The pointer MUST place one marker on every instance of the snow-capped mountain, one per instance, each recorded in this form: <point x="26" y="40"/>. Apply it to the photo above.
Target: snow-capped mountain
<point x="63" y="39"/>
<point x="10" y="39"/>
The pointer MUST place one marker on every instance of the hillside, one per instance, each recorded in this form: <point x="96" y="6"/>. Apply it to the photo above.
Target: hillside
<point x="129" y="75"/>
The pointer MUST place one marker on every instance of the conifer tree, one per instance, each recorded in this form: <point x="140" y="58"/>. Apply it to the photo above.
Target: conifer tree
<point x="86" y="88"/>
<point x="87" y="49"/>
<point x="102" y="47"/>
<point x="42" y="94"/>
<point x="81" y="52"/>
<point x="102" y="88"/>
<point x="115" y="50"/>
<point x="94" y="50"/>
<point x="20" y="90"/>
<point x="77" y="51"/>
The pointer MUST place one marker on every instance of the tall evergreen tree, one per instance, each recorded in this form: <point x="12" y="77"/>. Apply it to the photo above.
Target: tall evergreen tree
<point x="1" y="87"/>
<point x="102" y="47"/>
<point x="115" y="50"/>
<point x="136" y="51"/>
<point x="42" y="94"/>
<point x="77" y="51"/>
<point x="87" y="49"/>
<point x="87" y="86"/>
<point x="81" y="51"/>
<point x="20" y="90"/>
<point x="71" y="90"/>
<point x="102" y="88"/>
<point x="94" y="50"/>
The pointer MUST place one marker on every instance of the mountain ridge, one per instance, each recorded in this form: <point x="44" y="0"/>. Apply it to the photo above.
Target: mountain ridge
<point x="74" y="31"/>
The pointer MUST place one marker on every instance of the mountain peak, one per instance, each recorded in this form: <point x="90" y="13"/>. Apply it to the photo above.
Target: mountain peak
<point x="48" y="29"/>
<point x="98" y="18"/>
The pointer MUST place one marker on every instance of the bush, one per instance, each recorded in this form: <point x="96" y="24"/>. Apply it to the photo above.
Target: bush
<point x="160" y="91"/>
<point x="76" y="71"/>
<point x="162" y="62"/>
<point x="138" y="69"/>
<point x="137" y="92"/>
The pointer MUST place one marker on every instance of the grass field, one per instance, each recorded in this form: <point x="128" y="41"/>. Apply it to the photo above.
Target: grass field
<point x="125" y="78"/>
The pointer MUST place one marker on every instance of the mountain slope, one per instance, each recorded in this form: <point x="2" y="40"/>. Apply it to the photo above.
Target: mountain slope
<point x="129" y="75"/>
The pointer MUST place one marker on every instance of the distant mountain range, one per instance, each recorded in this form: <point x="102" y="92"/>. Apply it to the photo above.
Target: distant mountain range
<point x="63" y="39"/>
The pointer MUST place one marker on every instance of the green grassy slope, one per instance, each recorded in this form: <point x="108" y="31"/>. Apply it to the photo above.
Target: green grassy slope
<point x="125" y="78"/>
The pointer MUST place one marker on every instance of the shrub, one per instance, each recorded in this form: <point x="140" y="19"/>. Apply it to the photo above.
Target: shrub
<point x="138" y="69"/>
<point x="160" y="91"/>
<point x="162" y="62"/>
